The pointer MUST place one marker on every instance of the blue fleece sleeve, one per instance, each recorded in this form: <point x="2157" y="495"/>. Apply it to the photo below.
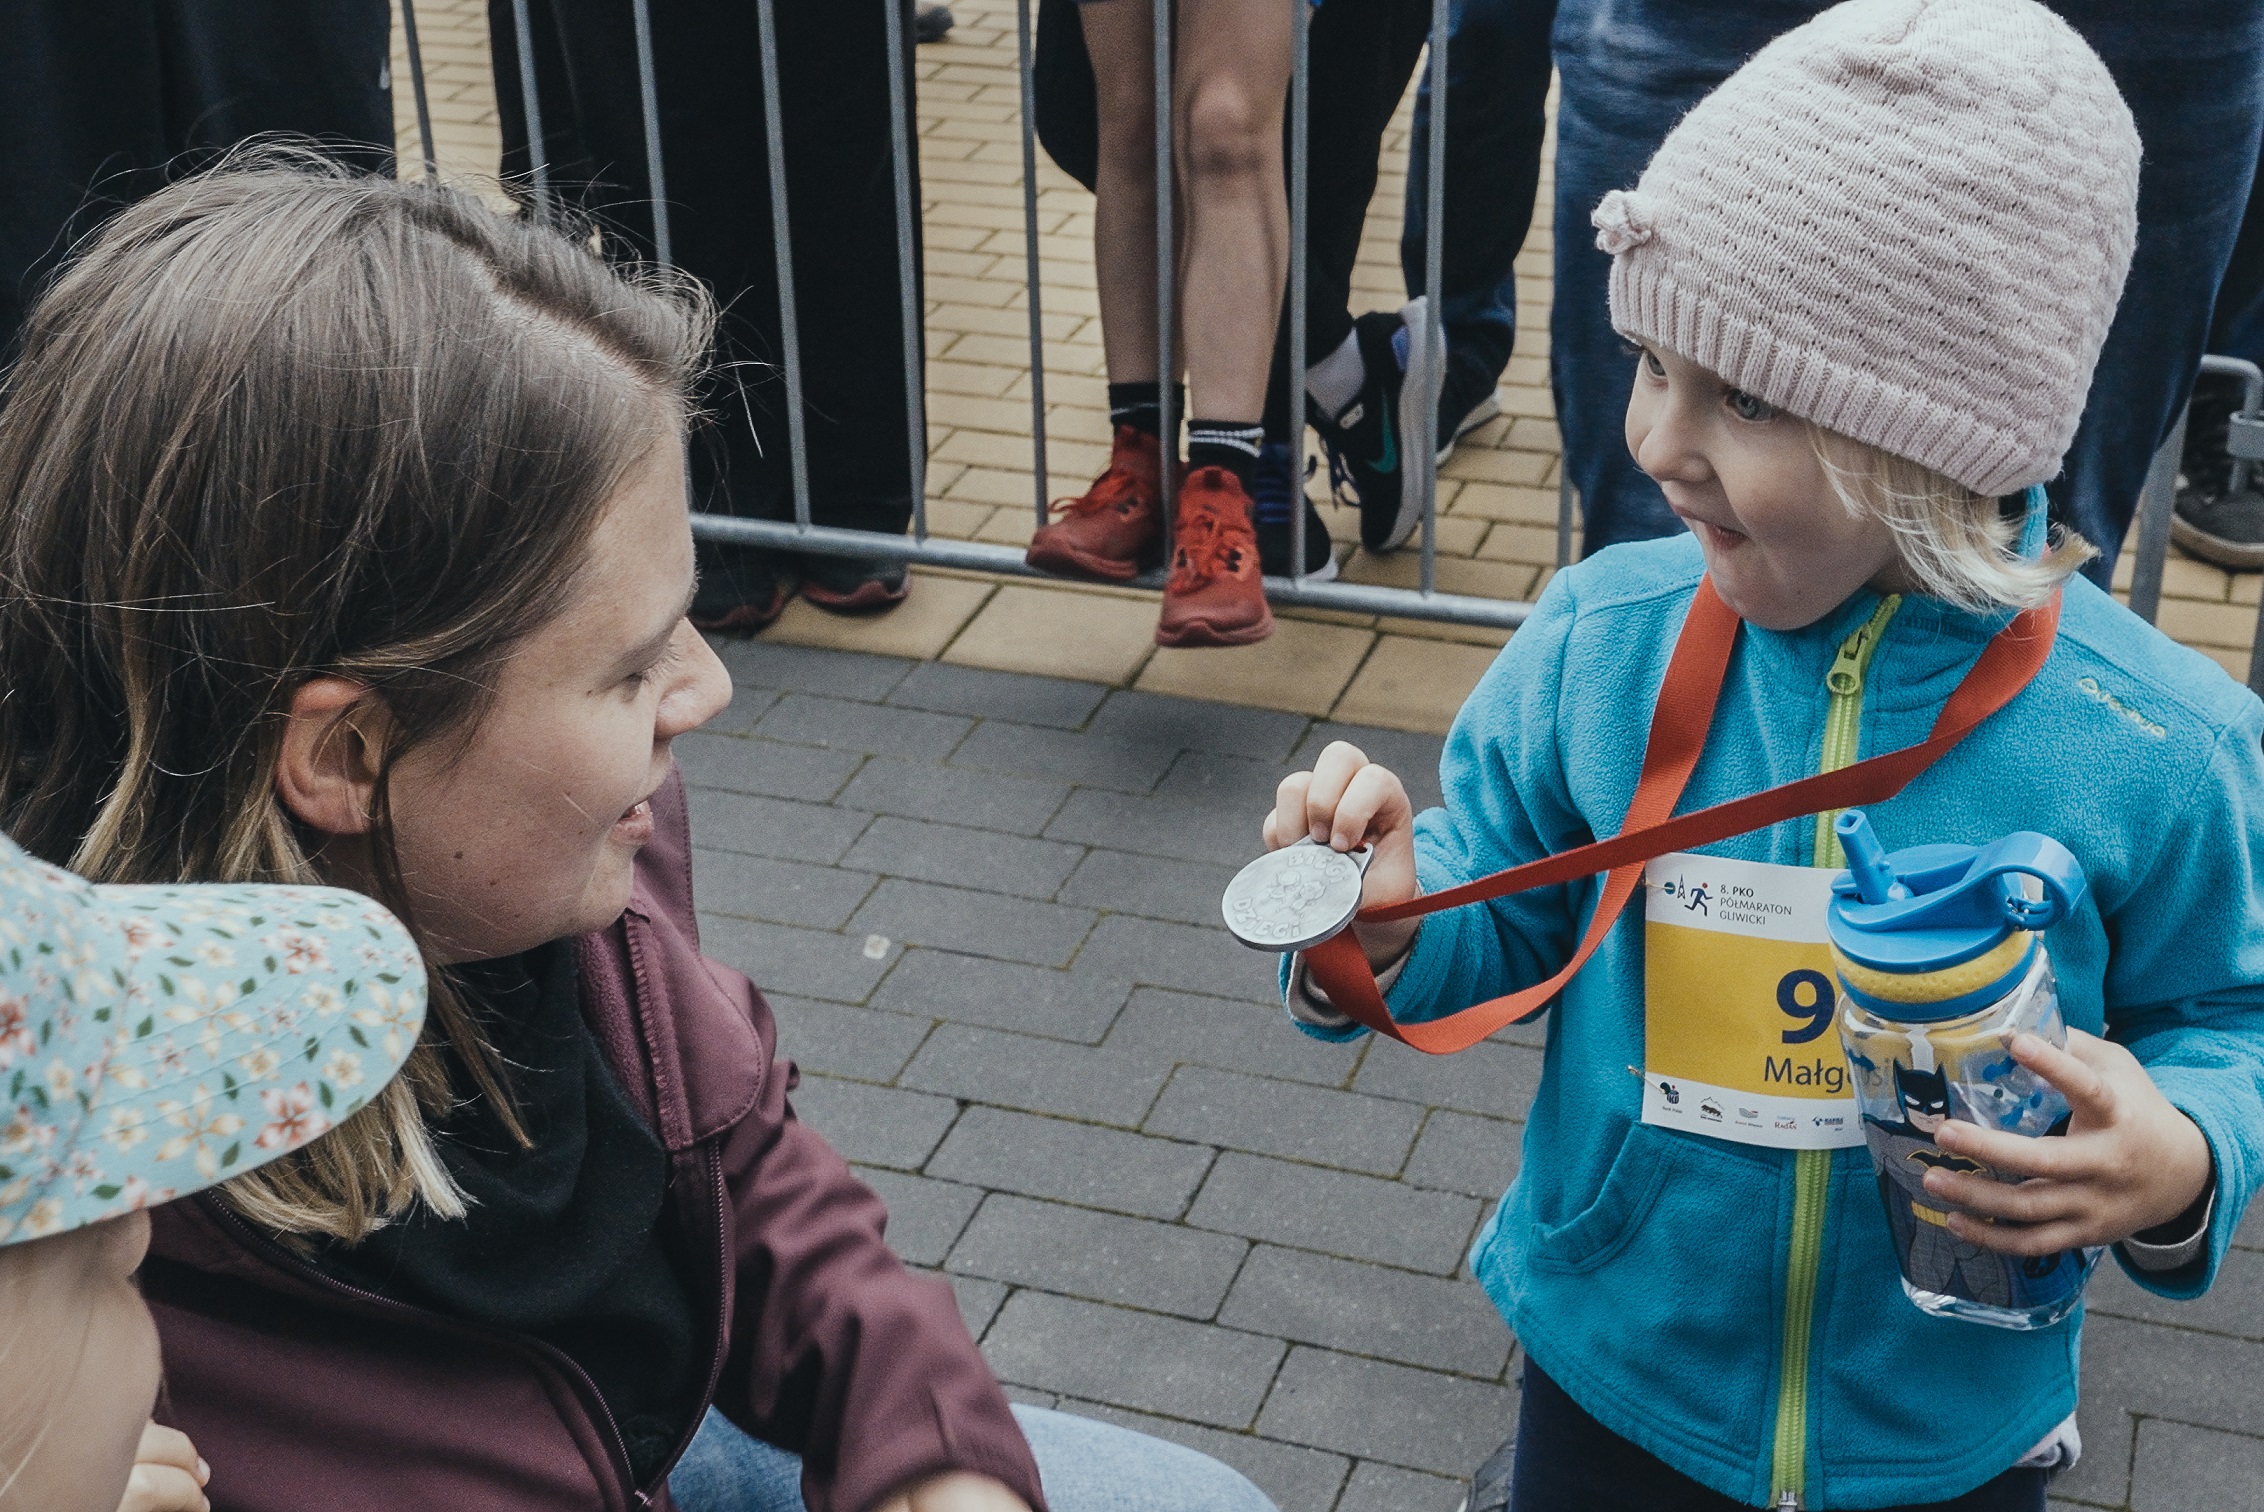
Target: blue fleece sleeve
<point x="2185" y="990"/>
<point x="1506" y="803"/>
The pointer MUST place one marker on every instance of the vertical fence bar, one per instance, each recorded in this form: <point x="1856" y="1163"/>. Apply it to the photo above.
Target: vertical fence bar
<point x="1167" y="277"/>
<point x="1426" y="445"/>
<point x="2155" y="500"/>
<point x="417" y="82"/>
<point x="648" y="95"/>
<point x="907" y="270"/>
<point x="1300" y="118"/>
<point x="781" y="236"/>
<point x="530" y="103"/>
<point x="1030" y="255"/>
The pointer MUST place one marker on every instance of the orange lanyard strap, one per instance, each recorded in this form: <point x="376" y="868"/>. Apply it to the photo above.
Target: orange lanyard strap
<point x="1679" y="725"/>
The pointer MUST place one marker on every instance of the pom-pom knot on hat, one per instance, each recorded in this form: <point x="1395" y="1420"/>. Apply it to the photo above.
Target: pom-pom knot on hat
<point x="1907" y="220"/>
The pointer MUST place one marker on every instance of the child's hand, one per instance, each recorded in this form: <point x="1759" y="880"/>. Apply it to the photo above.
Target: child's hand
<point x="1344" y="802"/>
<point x="955" y="1491"/>
<point x="168" y="1474"/>
<point x="2129" y="1161"/>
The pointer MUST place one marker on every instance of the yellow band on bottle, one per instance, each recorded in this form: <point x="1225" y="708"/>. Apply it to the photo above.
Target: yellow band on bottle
<point x="1935" y="986"/>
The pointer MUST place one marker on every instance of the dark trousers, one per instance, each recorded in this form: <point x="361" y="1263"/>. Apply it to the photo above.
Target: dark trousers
<point x="2193" y="74"/>
<point x="1497" y="88"/>
<point x="103" y="103"/>
<point x="1566" y="1461"/>
<point x="840" y="197"/>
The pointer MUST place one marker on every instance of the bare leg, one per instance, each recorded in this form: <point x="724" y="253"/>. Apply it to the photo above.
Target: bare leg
<point x="1231" y="79"/>
<point x="1119" y="36"/>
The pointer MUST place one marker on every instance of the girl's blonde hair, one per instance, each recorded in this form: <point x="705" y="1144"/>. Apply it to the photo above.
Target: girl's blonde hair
<point x="1954" y="544"/>
<point x="281" y="422"/>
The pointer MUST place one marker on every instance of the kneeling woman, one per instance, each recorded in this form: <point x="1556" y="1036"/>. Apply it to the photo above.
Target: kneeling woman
<point x="344" y="541"/>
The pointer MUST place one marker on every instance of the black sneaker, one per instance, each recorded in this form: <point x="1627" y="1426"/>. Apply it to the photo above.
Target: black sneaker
<point x="1489" y="1488"/>
<point x="1467" y="400"/>
<point x="930" y="20"/>
<point x="853" y="585"/>
<point x="740" y="591"/>
<point x="1365" y="444"/>
<point x="1276" y="488"/>
<point x="2210" y="521"/>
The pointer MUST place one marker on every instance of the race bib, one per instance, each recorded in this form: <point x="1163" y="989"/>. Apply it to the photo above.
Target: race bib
<point x="1738" y="1005"/>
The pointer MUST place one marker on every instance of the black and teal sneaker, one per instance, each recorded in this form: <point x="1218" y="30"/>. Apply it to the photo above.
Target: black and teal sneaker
<point x="1366" y="442"/>
<point x="1277" y="486"/>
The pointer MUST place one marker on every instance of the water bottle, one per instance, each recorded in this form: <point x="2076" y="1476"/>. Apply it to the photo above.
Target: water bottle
<point x="1941" y="961"/>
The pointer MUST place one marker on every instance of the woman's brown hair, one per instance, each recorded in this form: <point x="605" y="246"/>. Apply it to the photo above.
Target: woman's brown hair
<point x="280" y="422"/>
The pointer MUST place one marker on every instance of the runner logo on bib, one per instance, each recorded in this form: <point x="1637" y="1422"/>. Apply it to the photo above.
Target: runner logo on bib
<point x="1738" y="1003"/>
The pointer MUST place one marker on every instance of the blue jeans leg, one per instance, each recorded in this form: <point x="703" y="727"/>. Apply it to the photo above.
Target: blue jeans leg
<point x="1086" y="1466"/>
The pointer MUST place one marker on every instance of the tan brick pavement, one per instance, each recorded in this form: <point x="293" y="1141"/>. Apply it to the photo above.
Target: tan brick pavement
<point x="1497" y="494"/>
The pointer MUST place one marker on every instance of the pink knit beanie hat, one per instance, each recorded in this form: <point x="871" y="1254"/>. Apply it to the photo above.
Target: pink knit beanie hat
<point x="1907" y="221"/>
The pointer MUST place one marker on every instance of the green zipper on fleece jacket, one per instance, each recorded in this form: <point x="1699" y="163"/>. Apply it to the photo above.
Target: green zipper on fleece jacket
<point x="1812" y="1169"/>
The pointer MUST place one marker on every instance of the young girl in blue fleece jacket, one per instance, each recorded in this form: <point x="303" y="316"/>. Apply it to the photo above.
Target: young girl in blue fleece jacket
<point x="1869" y="278"/>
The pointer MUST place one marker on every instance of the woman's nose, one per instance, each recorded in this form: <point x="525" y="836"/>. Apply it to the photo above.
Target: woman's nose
<point x="702" y="689"/>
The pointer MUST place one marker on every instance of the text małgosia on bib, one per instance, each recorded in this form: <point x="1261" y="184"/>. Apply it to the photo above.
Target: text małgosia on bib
<point x="1738" y="1003"/>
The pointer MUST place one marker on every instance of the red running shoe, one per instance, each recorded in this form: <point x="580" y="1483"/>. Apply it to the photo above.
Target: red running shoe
<point x="1115" y="528"/>
<point x="1215" y="596"/>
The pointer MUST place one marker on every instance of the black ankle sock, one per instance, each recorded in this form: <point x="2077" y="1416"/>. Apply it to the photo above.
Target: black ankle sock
<point x="1140" y="405"/>
<point x="1231" y="444"/>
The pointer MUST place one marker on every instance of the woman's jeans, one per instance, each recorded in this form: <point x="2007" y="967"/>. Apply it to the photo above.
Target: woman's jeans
<point x="1086" y="1466"/>
<point x="2193" y="74"/>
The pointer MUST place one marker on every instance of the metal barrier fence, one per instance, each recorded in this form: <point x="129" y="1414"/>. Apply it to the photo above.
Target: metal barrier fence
<point x="2245" y="442"/>
<point x="802" y="534"/>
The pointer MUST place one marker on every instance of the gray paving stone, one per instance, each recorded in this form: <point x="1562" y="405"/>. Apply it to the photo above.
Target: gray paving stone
<point x="834" y="1039"/>
<point x="1152" y="953"/>
<point x="779" y="892"/>
<point x="1494" y="1079"/>
<point x="740" y="715"/>
<point x="1384" y="1488"/>
<point x="759" y="663"/>
<point x="1239" y="790"/>
<point x="742" y="764"/>
<point x="1132" y="1359"/>
<point x="978" y="923"/>
<point x="1023" y="1396"/>
<point x="2182" y="1469"/>
<point x="837" y="724"/>
<point x="1461" y="1152"/>
<point x="756" y="826"/>
<point x="925" y="1216"/>
<point x="1297" y="1479"/>
<point x="1003" y="994"/>
<point x="2250" y="1234"/>
<point x="1071" y="1162"/>
<point x="1120" y="882"/>
<point x="955" y="795"/>
<point x="947" y="689"/>
<point x="1037" y="1075"/>
<point x="1187" y="724"/>
<point x="1369" y="1310"/>
<point x="1032" y="751"/>
<point x="979" y="1302"/>
<point x="961" y="857"/>
<point x="1164" y="825"/>
<point x="2101" y="1478"/>
<point x="1236" y="1036"/>
<point x="1291" y="1119"/>
<point x="1414" y="759"/>
<point x="879" y="1126"/>
<point x="1162" y="1267"/>
<point x="2234" y="1305"/>
<point x="807" y="962"/>
<point x="2160" y="1372"/>
<point x="1336" y="1212"/>
<point x="1415" y="1419"/>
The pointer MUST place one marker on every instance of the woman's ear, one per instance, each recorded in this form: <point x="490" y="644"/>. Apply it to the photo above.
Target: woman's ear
<point x="327" y="773"/>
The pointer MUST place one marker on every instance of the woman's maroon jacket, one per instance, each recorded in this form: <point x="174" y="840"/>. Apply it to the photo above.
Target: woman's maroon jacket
<point x="303" y="1394"/>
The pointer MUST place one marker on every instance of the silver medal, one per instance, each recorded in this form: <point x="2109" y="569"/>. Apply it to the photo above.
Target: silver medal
<point x="1295" y="897"/>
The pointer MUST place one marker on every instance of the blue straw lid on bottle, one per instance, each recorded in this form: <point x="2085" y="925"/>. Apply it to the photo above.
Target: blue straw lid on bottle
<point x="1935" y="932"/>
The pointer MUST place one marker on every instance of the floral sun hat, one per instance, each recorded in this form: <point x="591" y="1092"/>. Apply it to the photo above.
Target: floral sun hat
<point x="155" y="1041"/>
